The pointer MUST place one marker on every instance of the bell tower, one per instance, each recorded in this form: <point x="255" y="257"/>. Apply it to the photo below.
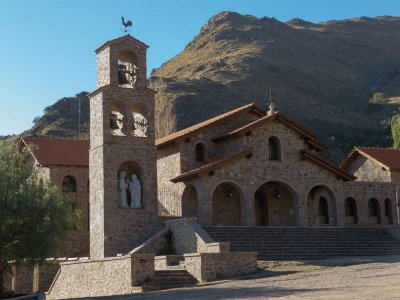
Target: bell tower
<point x="122" y="156"/>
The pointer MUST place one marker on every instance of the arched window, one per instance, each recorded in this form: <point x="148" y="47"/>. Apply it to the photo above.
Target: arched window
<point x="373" y="207"/>
<point x="274" y="148"/>
<point x="388" y="208"/>
<point x="69" y="184"/>
<point x="200" y="150"/>
<point x="350" y="207"/>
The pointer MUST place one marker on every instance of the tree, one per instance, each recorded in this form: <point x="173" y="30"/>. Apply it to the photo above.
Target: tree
<point x="395" y="127"/>
<point x="33" y="217"/>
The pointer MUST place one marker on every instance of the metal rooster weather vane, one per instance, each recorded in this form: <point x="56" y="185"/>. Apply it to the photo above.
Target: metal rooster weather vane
<point x="126" y="24"/>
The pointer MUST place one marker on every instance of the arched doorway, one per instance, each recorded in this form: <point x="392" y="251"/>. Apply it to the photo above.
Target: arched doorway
<point x="226" y="203"/>
<point x="189" y="202"/>
<point x="350" y="211"/>
<point x="321" y="206"/>
<point x="275" y="204"/>
<point x="388" y="212"/>
<point x="374" y="212"/>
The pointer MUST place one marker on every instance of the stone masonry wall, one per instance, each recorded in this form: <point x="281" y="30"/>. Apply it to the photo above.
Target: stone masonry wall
<point x="77" y="241"/>
<point x="169" y="194"/>
<point x="362" y="192"/>
<point x="213" y="266"/>
<point x="104" y="277"/>
<point x="248" y="175"/>
<point x="366" y="170"/>
<point x="179" y="156"/>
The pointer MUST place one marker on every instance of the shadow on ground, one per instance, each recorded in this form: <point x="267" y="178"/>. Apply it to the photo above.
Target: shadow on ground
<point x="215" y="293"/>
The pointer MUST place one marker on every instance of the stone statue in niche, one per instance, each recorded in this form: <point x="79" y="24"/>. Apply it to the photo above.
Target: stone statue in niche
<point x="135" y="189"/>
<point x="116" y="123"/>
<point x="123" y="187"/>
<point x="127" y="73"/>
<point x="139" y="125"/>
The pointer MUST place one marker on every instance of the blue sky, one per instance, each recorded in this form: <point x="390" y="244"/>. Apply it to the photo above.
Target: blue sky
<point x="47" y="46"/>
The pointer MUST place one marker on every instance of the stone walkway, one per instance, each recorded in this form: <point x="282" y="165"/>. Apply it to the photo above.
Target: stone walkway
<point x="342" y="278"/>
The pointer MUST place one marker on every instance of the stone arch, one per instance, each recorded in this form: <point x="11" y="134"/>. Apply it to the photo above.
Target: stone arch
<point x="118" y="118"/>
<point x="374" y="212"/>
<point x="226" y="203"/>
<point x="276" y="204"/>
<point x="274" y="148"/>
<point x="126" y="171"/>
<point x="140" y="116"/>
<point x="127" y="68"/>
<point x="350" y="211"/>
<point x="200" y="152"/>
<point x="189" y="202"/>
<point x="318" y="196"/>
<point x="388" y="211"/>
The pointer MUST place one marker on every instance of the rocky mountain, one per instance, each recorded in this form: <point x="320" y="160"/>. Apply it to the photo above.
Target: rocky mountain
<point x="323" y="75"/>
<point x="62" y="119"/>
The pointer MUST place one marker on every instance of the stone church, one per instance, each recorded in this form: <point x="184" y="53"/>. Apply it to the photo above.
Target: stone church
<point x="247" y="168"/>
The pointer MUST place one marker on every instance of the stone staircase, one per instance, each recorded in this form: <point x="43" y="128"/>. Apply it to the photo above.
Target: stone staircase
<point x="169" y="278"/>
<point x="287" y="243"/>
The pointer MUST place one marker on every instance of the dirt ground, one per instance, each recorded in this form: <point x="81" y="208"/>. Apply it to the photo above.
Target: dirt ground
<point x="341" y="278"/>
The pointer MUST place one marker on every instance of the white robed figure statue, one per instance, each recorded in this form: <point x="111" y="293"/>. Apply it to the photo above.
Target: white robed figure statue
<point x="135" y="188"/>
<point x="123" y="186"/>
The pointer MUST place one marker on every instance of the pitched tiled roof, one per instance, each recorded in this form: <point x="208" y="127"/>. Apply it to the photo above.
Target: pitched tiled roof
<point x="310" y="137"/>
<point x="385" y="157"/>
<point x="327" y="164"/>
<point x="47" y="151"/>
<point x="212" y="165"/>
<point x="125" y="37"/>
<point x="185" y="132"/>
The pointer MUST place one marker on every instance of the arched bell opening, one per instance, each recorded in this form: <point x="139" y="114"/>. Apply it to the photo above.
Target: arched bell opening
<point x="118" y="119"/>
<point x="127" y="69"/>
<point x="140" y="123"/>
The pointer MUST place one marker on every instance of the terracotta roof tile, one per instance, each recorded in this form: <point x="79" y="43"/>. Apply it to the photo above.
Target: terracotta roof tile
<point x="48" y="151"/>
<point x="212" y="165"/>
<point x="327" y="164"/>
<point x="182" y="133"/>
<point x="385" y="157"/>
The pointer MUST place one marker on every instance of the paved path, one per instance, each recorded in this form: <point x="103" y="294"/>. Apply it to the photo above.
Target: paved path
<point x="344" y="278"/>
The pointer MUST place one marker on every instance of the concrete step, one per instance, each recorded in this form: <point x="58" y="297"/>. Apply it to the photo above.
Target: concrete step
<point x="306" y="243"/>
<point x="168" y="279"/>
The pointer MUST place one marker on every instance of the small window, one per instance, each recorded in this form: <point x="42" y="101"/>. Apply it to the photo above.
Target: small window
<point x="69" y="185"/>
<point x="373" y="207"/>
<point x="200" y="152"/>
<point x="274" y="148"/>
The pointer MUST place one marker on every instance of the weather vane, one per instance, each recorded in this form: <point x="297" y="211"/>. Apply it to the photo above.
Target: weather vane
<point x="126" y="24"/>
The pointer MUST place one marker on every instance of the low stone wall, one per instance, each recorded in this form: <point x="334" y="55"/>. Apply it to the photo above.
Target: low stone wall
<point x="103" y="277"/>
<point x="213" y="266"/>
<point x="190" y="237"/>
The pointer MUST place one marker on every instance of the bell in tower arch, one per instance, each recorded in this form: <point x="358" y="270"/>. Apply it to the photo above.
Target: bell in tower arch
<point x="127" y="69"/>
